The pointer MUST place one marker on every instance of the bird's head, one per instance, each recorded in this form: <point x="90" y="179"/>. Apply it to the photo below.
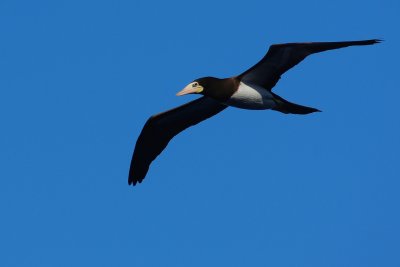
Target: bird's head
<point x="200" y="86"/>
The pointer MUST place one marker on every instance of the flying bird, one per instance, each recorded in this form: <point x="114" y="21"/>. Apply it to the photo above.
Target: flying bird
<point x="250" y="90"/>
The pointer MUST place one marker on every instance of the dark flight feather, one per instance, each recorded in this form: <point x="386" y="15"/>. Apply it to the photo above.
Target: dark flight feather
<point x="282" y="57"/>
<point x="161" y="128"/>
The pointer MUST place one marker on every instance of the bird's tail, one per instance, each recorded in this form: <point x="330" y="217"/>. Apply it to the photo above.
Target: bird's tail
<point x="287" y="107"/>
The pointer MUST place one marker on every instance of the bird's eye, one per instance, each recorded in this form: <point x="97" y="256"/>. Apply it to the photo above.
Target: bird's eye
<point x="195" y="84"/>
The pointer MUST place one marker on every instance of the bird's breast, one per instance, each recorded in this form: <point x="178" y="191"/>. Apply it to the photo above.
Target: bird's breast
<point x="250" y="96"/>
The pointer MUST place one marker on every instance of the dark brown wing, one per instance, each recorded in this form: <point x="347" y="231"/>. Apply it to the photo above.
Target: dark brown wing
<point x="281" y="57"/>
<point x="161" y="128"/>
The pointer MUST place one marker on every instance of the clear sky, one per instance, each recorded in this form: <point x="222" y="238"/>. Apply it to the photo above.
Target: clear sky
<point x="78" y="79"/>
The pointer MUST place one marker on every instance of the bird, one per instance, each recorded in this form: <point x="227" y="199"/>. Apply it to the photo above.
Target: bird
<point x="251" y="89"/>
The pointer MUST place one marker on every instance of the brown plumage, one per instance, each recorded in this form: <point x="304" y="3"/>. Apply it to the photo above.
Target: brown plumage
<point x="161" y="128"/>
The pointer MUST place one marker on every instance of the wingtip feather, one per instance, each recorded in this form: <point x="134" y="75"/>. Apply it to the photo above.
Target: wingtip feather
<point x="374" y="41"/>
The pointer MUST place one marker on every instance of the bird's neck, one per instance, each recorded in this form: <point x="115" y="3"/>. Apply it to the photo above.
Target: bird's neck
<point x="222" y="89"/>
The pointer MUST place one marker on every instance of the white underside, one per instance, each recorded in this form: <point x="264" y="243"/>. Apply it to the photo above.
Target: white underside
<point x="250" y="96"/>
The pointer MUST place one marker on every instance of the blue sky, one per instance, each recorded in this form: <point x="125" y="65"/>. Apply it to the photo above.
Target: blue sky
<point x="78" y="79"/>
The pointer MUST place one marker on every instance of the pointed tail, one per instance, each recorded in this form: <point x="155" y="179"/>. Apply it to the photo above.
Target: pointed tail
<point x="287" y="107"/>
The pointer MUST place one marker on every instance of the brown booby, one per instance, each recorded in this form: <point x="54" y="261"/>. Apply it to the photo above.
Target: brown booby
<point x="250" y="90"/>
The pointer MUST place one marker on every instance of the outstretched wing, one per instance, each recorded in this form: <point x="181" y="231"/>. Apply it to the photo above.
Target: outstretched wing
<point x="161" y="128"/>
<point x="282" y="57"/>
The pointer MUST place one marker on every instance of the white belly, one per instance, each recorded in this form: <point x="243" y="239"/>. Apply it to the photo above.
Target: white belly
<point x="251" y="97"/>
